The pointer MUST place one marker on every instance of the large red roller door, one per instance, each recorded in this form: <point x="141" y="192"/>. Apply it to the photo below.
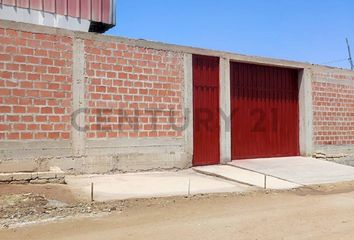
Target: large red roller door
<point x="265" y="112"/>
<point x="206" y="124"/>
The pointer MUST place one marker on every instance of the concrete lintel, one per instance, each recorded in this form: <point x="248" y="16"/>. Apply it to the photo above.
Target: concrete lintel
<point x="334" y="149"/>
<point x="131" y="145"/>
<point x="225" y="111"/>
<point x="35" y="145"/>
<point x="349" y="83"/>
<point x="34" y="149"/>
<point x="305" y="112"/>
<point x="188" y="104"/>
<point x="79" y="104"/>
<point x="131" y="142"/>
<point x="133" y="162"/>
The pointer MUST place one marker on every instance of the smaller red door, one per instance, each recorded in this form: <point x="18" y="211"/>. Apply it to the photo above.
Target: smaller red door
<point x="206" y="124"/>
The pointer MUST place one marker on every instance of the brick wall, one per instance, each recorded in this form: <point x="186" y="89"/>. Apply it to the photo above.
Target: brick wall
<point x="134" y="95"/>
<point x="333" y="109"/>
<point x="35" y="85"/>
<point x="132" y="91"/>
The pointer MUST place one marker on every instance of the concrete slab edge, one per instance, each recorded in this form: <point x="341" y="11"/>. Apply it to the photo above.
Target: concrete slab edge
<point x="268" y="175"/>
<point x="223" y="177"/>
<point x="55" y="175"/>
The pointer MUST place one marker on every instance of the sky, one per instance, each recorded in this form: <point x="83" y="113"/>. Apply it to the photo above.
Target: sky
<point x="302" y="30"/>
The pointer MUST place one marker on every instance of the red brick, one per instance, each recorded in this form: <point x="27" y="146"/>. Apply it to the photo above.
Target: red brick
<point x="19" y="92"/>
<point x="11" y="33"/>
<point x="27" y="118"/>
<point x="4" y="127"/>
<point x="20" y="76"/>
<point x="5" y="92"/>
<point x="53" y="135"/>
<point x="12" y="118"/>
<point x="32" y="93"/>
<point x="46" y="127"/>
<point x="59" y="110"/>
<point x="5" y="75"/>
<point x="11" y="101"/>
<point x="20" y="59"/>
<point x="59" y="127"/>
<point x="32" y="127"/>
<point x="19" y="109"/>
<point x="25" y="136"/>
<point x="5" y="109"/>
<point x="19" y="126"/>
<point x="13" y="136"/>
<point x="53" y="70"/>
<point x="5" y="57"/>
<point x="11" y="49"/>
<point x="41" y="118"/>
<point x="65" y="135"/>
<point x="46" y="110"/>
<point x="40" y="136"/>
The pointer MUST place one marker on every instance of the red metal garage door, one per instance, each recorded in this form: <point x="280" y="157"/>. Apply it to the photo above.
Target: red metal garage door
<point x="265" y="112"/>
<point x="206" y="123"/>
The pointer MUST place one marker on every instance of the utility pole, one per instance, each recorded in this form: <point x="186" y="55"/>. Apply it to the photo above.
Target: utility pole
<point x="350" y="56"/>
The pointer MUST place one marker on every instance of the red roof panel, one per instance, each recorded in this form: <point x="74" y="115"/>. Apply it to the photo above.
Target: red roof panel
<point x="36" y="4"/>
<point x="23" y="3"/>
<point x="61" y="7"/>
<point x="49" y="6"/>
<point x="95" y="10"/>
<point x="85" y="9"/>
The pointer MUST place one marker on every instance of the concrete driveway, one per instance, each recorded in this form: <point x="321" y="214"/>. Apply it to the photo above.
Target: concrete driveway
<point x="300" y="170"/>
<point x="150" y="184"/>
<point x="237" y="176"/>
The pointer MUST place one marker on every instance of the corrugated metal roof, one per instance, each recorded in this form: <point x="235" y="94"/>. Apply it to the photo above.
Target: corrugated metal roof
<point x="102" y="11"/>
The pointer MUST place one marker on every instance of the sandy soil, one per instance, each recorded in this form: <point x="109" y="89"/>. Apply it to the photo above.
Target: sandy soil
<point x="50" y="191"/>
<point x="320" y="212"/>
<point x="30" y="204"/>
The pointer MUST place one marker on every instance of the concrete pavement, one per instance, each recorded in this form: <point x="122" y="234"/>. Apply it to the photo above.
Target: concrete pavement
<point x="246" y="177"/>
<point x="237" y="176"/>
<point x="300" y="170"/>
<point x="150" y="184"/>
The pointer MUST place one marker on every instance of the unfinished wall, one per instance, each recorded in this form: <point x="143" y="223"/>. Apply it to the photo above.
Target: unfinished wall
<point x="134" y="97"/>
<point x="333" y="111"/>
<point x="130" y="96"/>
<point x="35" y="97"/>
<point x="89" y="103"/>
<point x="136" y="89"/>
<point x="35" y="85"/>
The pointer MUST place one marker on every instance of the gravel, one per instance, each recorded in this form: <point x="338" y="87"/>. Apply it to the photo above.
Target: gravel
<point x="18" y="209"/>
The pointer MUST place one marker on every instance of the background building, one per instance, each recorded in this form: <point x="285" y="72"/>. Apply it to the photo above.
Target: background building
<point x="82" y="15"/>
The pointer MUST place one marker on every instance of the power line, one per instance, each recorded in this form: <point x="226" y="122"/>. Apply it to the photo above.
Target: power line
<point x="335" y="61"/>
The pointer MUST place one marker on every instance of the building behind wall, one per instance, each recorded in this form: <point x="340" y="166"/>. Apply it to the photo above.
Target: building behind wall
<point x="90" y="103"/>
<point x="80" y="15"/>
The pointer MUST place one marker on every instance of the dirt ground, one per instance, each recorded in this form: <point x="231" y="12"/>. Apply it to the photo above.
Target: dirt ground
<point x="50" y="191"/>
<point x="319" y="212"/>
<point x="24" y="204"/>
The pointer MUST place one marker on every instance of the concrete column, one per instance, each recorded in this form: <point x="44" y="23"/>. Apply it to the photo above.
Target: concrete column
<point x="188" y="105"/>
<point x="306" y="112"/>
<point x="78" y="117"/>
<point x="225" y="111"/>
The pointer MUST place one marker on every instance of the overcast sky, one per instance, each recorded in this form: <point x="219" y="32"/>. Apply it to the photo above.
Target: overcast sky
<point x="304" y="30"/>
